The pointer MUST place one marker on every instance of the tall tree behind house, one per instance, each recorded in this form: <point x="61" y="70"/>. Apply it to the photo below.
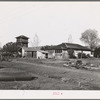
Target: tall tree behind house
<point x="90" y="38"/>
<point x="70" y="38"/>
<point x="36" y="41"/>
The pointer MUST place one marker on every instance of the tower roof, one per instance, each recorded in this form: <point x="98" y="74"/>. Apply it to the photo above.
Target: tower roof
<point x="22" y="36"/>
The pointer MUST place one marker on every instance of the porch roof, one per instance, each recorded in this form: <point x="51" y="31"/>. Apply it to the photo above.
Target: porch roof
<point x="65" y="46"/>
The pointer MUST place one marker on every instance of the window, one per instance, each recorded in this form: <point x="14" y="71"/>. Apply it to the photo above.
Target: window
<point x="58" y="51"/>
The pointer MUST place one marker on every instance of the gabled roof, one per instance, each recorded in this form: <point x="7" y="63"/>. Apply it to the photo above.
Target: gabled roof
<point x="72" y="46"/>
<point x="22" y="36"/>
<point x="47" y="47"/>
<point x="65" y="46"/>
<point x="42" y="51"/>
<point x="30" y="49"/>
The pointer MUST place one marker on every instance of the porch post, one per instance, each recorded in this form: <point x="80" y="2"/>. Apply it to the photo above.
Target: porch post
<point x="81" y="54"/>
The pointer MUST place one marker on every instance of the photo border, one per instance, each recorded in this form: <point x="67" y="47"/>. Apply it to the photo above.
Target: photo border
<point x="79" y="95"/>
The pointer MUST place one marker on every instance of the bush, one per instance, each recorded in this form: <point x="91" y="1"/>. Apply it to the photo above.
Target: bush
<point x="71" y="53"/>
<point x="88" y="56"/>
<point x="82" y="55"/>
<point x="74" y="57"/>
<point x="78" y="63"/>
<point x="97" y="52"/>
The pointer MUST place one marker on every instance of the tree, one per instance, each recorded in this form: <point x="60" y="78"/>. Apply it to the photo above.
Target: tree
<point x="35" y="41"/>
<point x="97" y="52"/>
<point x="90" y="38"/>
<point x="70" y="38"/>
<point x="0" y="45"/>
<point x="10" y="47"/>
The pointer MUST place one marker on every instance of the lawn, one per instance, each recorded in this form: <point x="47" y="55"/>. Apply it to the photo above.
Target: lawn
<point x="50" y="74"/>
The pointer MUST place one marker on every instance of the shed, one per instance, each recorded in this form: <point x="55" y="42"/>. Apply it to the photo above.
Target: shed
<point x="34" y="52"/>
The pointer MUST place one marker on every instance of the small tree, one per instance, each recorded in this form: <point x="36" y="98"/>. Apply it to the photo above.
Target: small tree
<point x="97" y="52"/>
<point x="70" y="38"/>
<point x="90" y="38"/>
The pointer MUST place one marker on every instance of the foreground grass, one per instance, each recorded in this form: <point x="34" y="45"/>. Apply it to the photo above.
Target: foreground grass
<point x="51" y="75"/>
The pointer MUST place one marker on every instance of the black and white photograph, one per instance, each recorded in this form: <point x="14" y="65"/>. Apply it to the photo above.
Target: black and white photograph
<point x="50" y="46"/>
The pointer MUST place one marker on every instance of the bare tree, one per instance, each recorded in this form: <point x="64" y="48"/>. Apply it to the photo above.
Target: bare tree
<point x="90" y="38"/>
<point x="70" y="38"/>
<point x="36" y="41"/>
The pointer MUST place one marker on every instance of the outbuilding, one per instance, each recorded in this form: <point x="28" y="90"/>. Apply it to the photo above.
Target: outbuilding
<point x="33" y="52"/>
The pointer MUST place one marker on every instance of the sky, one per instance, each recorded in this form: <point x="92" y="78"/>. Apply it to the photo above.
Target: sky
<point x="53" y="22"/>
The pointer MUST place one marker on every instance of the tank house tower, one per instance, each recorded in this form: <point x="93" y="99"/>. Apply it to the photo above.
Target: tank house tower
<point x="22" y="41"/>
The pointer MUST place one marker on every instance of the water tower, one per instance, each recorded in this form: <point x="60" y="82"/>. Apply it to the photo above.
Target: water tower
<point x="22" y="41"/>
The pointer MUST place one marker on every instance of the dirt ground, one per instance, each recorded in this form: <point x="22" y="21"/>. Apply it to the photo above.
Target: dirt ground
<point x="51" y="75"/>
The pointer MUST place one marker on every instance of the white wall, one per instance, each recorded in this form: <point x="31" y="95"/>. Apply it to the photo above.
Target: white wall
<point x="87" y="52"/>
<point x="51" y="53"/>
<point x="58" y="55"/>
<point x="23" y="52"/>
<point x="65" y="54"/>
<point x="40" y="55"/>
<point x="76" y="52"/>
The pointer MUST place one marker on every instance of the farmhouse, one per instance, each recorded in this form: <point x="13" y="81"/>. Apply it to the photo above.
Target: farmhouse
<point x="61" y="51"/>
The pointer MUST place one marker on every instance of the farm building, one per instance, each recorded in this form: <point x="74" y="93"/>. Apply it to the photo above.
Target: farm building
<point x="61" y="51"/>
<point x="33" y="52"/>
<point x="56" y="51"/>
<point x="25" y="51"/>
<point x="22" y="41"/>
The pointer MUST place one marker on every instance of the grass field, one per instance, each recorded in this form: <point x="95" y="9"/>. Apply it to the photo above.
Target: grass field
<point x="50" y="73"/>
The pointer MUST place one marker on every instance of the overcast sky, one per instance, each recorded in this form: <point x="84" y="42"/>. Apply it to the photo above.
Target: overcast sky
<point x="53" y="22"/>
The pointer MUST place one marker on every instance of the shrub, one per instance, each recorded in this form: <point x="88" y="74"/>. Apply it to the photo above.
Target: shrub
<point x="82" y="55"/>
<point x="71" y="53"/>
<point x="88" y="56"/>
<point x="97" y="52"/>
